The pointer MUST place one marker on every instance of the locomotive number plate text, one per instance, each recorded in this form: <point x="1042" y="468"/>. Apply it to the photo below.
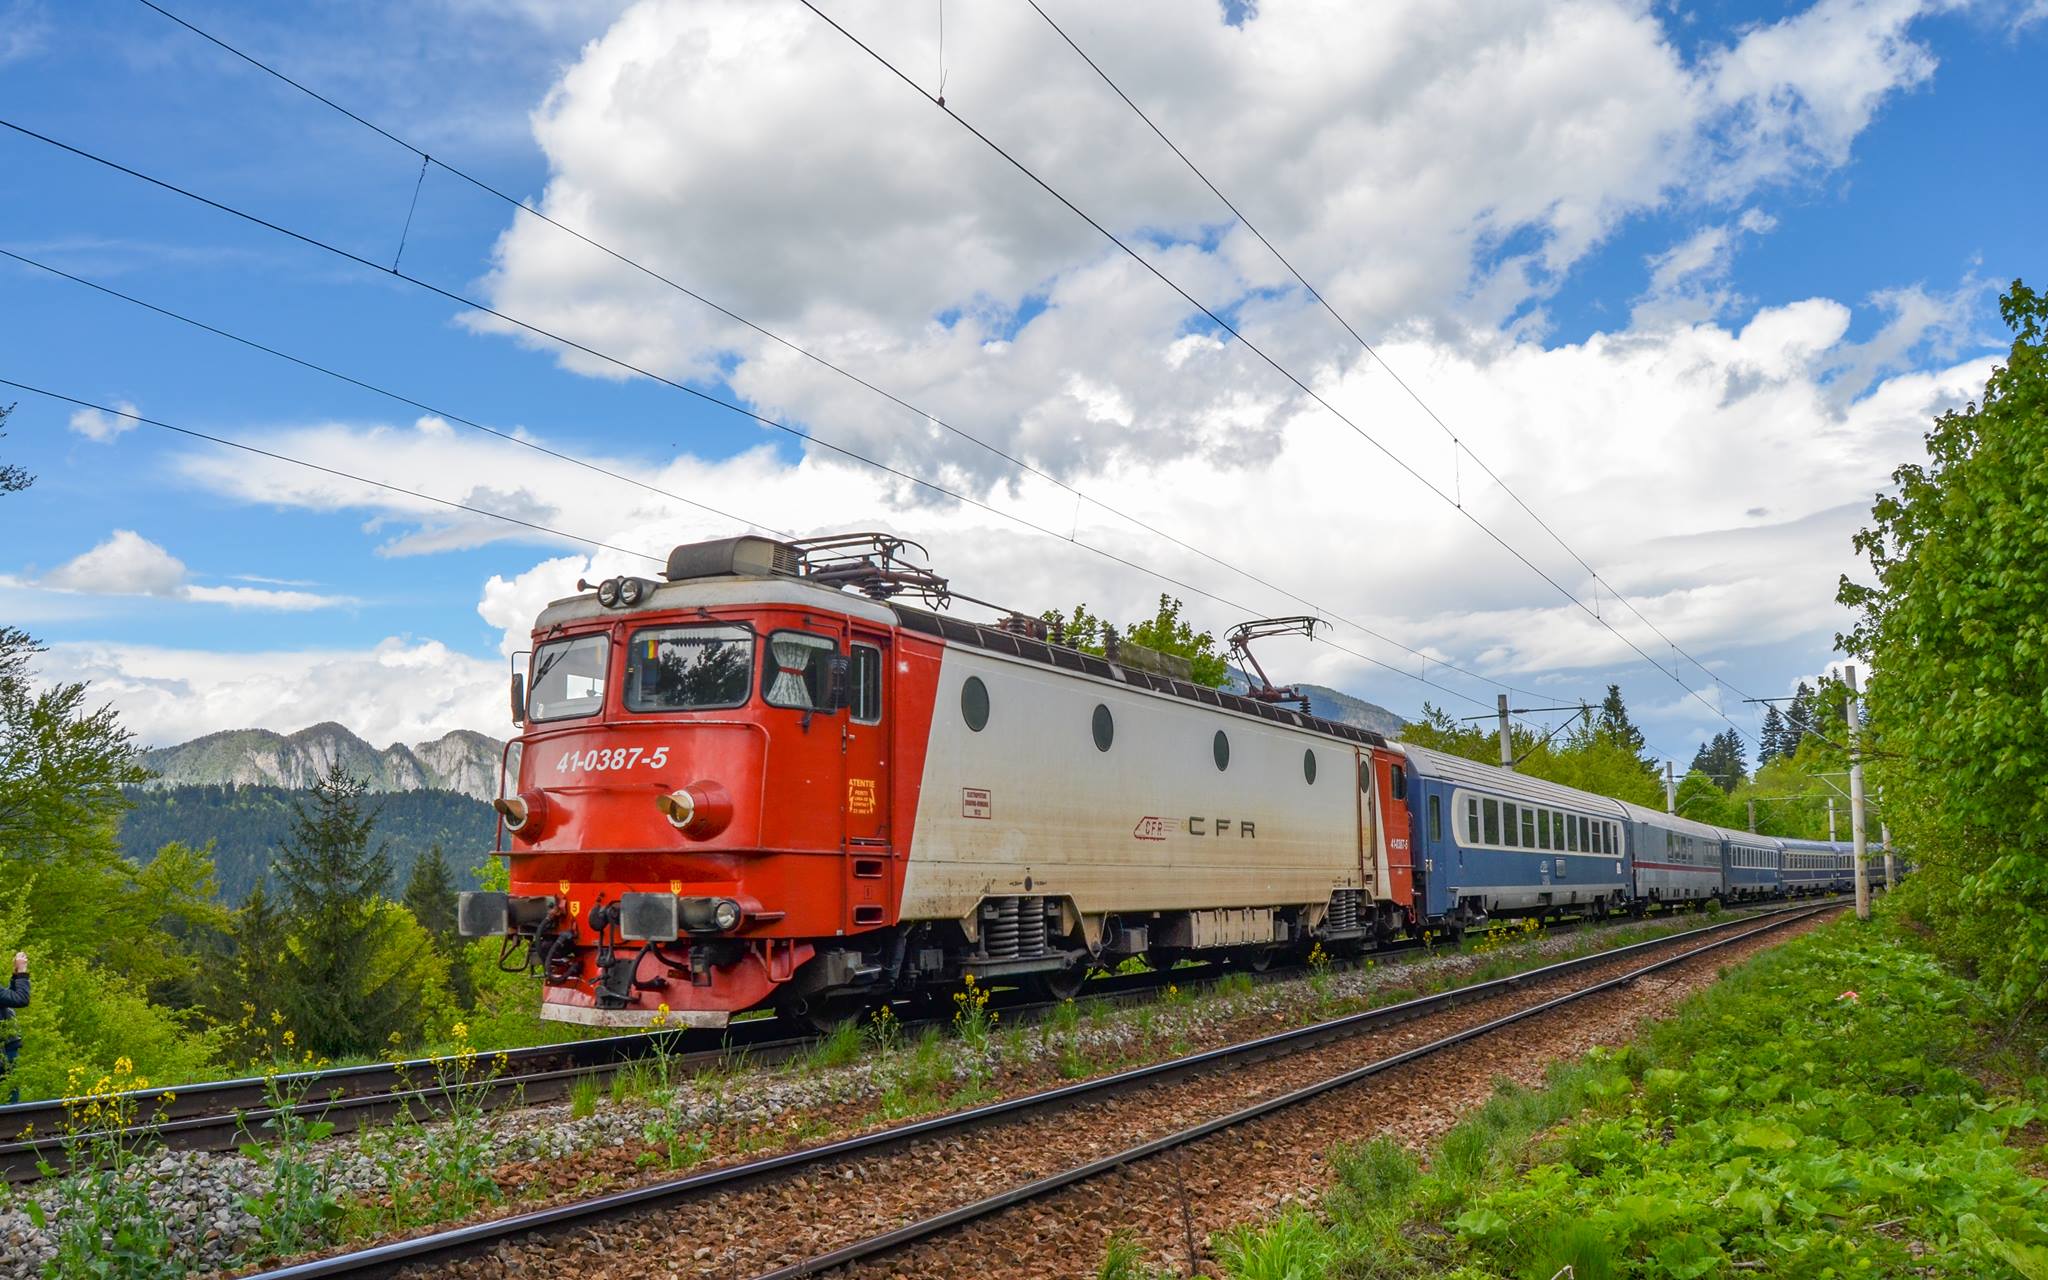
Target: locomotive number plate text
<point x="601" y="759"/>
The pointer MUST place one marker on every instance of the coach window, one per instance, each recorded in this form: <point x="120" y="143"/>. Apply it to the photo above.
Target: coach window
<point x="1510" y="825"/>
<point x="798" y="670"/>
<point x="1543" y="829"/>
<point x="1493" y="822"/>
<point x="1436" y="818"/>
<point x="974" y="704"/>
<point x="1471" y="820"/>
<point x="1528" y="829"/>
<point x="865" y="692"/>
<point x="1586" y="834"/>
<point x="689" y="668"/>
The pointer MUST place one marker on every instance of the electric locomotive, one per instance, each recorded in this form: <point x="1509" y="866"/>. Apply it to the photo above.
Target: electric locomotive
<point x="770" y="779"/>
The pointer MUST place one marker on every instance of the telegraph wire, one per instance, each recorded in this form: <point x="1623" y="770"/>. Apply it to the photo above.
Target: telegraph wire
<point x="332" y="471"/>
<point x="1284" y="372"/>
<point x="1457" y="442"/>
<point x="423" y="407"/>
<point x="460" y="300"/>
<point x="800" y="350"/>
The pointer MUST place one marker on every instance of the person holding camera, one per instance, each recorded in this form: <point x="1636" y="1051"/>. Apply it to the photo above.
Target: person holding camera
<point x="12" y="996"/>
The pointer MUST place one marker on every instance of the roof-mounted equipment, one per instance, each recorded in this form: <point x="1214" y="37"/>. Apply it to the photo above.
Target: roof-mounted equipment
<point x="872" y="564"/>
<point x="1241" y="637"/>
<point x="745" y="557"/>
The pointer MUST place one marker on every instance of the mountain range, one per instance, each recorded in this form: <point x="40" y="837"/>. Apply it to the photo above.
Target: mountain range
<point x="461" y="761"/>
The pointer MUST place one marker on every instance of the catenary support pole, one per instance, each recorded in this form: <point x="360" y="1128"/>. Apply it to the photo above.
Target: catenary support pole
<point x="1884" y="837"/>
<point x="1670" y="789"/>
<point x="1752" y="813"/>
<point x="1507" y="744"/>
<point x="1831" y="819"/>
<point x="1856" y="829"/>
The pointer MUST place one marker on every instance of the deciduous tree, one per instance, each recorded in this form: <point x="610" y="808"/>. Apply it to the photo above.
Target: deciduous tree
<point x="1954" y="623"/>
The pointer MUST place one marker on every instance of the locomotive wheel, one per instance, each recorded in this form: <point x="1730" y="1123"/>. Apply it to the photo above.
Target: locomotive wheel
<point x="1261" y="959"/>
<point x="821" y="1015"/>
<point x="1061" y="984"/>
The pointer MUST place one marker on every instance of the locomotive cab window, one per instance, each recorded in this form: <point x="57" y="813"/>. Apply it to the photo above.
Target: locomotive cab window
<point x="864" y="689"/>
<point x="798" y="670"/>
<point x="568" y="678"/>
<point x="688" y="668"/>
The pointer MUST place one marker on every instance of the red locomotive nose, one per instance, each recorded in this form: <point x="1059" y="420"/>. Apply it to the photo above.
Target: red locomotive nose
<point x="526" y="814"/>
<point x="700" y="810"/>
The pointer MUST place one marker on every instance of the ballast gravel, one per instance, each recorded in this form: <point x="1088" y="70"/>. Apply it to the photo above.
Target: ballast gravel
<point x="202" y="1198"/>
<point x="753" y="1229"/>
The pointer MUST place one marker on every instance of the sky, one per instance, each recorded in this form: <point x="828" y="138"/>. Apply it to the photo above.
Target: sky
<point x="1641" y="304"/>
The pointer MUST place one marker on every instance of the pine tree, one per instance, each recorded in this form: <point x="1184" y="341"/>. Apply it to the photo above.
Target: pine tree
<point x="334" y="882"/>
<point x="1771" y="739"/>
<point x="430" y="893"/>
<point x="1800" y="721"/>
<point x="1613" y="727"/>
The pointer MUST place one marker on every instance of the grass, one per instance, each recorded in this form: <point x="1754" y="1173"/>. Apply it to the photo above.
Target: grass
<point x="583" y="1096"/>
<point x="1818" y="1113"/>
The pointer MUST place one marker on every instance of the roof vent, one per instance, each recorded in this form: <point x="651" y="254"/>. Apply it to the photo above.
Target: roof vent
<point x="733" y="558"/>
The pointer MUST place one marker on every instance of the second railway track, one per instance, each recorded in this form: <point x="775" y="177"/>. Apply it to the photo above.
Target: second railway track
<point x="825" y="1207"/>
<point x="221" y="1115"/>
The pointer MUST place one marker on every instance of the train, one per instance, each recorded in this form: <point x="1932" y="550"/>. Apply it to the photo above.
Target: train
<point x="787" y="776"/>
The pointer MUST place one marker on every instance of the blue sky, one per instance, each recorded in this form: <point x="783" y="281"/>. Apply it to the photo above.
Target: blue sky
<point x="1921" y="180"/>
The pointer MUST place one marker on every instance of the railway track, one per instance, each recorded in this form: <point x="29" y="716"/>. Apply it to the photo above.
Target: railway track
<point x="1155" y="1107"/>
<point x="221" y="1115"/>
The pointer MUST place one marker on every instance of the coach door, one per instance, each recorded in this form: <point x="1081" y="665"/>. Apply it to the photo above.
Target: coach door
<point x="867" y="732"/>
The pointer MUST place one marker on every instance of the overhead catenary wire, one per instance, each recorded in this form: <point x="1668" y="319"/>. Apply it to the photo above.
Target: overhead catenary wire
<point x="1260" y="352"/>
<point x="942" y="490"/>
<point x="400" y="398"/>
<point x="336" y="472"/>
<point x="798" y="349"/>
<point x="1457" y="441"/>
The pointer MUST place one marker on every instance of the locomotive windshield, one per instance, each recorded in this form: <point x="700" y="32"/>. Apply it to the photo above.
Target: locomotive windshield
<point x="689" y="668"/>
<point x="568" y="678"/>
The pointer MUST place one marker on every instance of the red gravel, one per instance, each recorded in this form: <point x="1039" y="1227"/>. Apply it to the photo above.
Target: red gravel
<point x="1240" y="1174"/>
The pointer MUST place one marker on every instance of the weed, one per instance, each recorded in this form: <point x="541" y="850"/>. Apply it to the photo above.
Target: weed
<point x="973" y="1020"/>
<point x="583" y="1096"/>
<point x="839" y="1049"/>
<point x="298" y="1208"/>
<point x="1291" y="1247"/>
<point x="103" y="1223"/>
<point x="884" y="1030"/>
<point x="1064" y="1018"/>
<point x="1123" y="1258"/>
<point x="673" y="1148"/>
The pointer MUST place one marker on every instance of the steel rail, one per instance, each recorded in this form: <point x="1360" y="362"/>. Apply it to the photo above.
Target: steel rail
<point x="479" y="1237"/>
<point x="220" y="1115"/>
<point x="887" y="1242"/>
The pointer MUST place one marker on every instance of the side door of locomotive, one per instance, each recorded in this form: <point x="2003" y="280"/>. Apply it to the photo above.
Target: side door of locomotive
<point x="867" y="731"/>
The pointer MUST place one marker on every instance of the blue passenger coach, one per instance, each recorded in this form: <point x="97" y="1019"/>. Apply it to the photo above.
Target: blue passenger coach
<point x="1751" y="865"/>
<point x="1494" y="842"/>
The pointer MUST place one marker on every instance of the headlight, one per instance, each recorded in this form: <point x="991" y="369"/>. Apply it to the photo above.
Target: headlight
<point x="726" y="915"/>
<point x="608" y="593"/>
<point x="631" y="590"/>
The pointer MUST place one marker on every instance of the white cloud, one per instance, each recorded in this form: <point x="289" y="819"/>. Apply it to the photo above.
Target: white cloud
<point x="102" y="427"/>
<point x="128" y="564"/>
<point x="400" y="690"/>
<point x="1706" y="469"/>
<point x="1423" y="166"/>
